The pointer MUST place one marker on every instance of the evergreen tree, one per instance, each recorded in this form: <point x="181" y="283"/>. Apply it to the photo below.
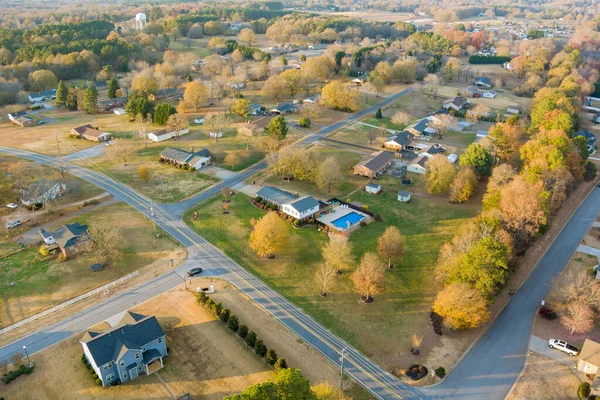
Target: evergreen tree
<point x="72" y="98"/>
<point x="378" y="114"/>
<point x="61" y="94"/>
<point x="189" y="77"/>
<point x="113" y="86"/>
<point x="162" y="112"/>
<point x="90" y="99"/>
<point x="278" y="128"/>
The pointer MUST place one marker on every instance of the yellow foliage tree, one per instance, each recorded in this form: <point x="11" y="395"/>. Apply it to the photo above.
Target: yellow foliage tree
<point x="340" y="95"/>
<point x="268" y="236"/>
<point x="368" y="277"/>
<point x="461" y="306"/>
<point x="195" y="95"/>
<point x="144" y="173"/>
<point x="463" y="186"/>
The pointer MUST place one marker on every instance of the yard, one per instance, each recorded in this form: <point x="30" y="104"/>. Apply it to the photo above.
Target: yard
<point x="205" y="358"/>
<point x="42" y="282"/>
<point x="426" y="224"/>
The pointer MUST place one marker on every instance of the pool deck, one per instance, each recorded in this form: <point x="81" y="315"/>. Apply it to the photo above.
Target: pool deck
<point x="337" y="213"/>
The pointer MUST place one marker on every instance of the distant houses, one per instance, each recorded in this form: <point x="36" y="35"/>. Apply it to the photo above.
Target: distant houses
<point x="93" y="134"/>
<point x="24" y="121"/>
<point x="374" y="164"/>
<point x="418" y="165"/>
<point x="400" y="141"/>
<point x="258" y="125"/>
<point x="298" y="207"/>
<point x="164" y="94"/>
<point x="457" y="103"/>
<point x="163" y="134"/>
<point x="186" y="159"/>
<point x="285" y="108"/>
<point x="69" y="238"/>
<point x="134" y="346"/>
<point x="43" y="96"/>
<point x="484" y="83"/>
<point x="513" y="109"/>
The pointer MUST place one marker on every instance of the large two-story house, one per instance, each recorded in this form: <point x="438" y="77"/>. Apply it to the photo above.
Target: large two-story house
<point x="135" y="346"/>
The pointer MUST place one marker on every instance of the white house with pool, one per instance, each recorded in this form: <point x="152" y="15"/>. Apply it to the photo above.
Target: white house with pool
<point x="342" y="218"/>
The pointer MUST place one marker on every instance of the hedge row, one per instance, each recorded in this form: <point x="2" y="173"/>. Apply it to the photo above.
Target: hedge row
<point x="12" y="375"/>
<point x="91" y="369"/>
<point x="483" y="59"/>
<point x="248" y="336"/>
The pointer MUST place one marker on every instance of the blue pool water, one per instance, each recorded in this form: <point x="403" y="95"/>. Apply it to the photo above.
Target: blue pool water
<point x="352" y="218"/>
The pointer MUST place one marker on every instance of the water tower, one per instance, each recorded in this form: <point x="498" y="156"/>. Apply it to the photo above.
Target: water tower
<point x="140" y="21"/>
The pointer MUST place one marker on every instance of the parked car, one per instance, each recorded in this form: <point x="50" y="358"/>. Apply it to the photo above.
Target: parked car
<point x="199" y="121"/>
<point x="563" y="346"/>
<point x="12" y="206"/>
<point x="194" y="271"/>
<point x="13" y="224"/>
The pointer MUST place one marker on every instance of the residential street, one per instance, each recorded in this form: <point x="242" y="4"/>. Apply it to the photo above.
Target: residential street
<point x="487" y="371"/>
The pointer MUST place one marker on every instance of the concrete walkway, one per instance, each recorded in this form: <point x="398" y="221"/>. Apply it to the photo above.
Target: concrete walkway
<point x="589" y="250"/>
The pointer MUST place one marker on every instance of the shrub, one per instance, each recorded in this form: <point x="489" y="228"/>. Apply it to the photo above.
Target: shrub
<point x="440" y="372"/>
<point x="280" y="364"/>
<point x="224" y="315"/>
<point x="216" y="309"/>
<point x="260" y="348"/>
<point x="84" y="360"/>
<point x="243" y="331"/>
<point x="589" y="171"/>
<point x="484" y="59"/>
<point x="304" y="122"/>
<point x="271" y="357"/>
<point x="209" y="304"/>
<point x="99" y="382"/>
<point x="233" y="323"/>
<point x="201" y="298"/>
<point x="44" y="251"/>
<point x="377" y="217"/>
<point x="251" y="339"/>
<point x="12" y="375"/>
<point x="378" y="114"/>
<point x="297" y="223"/>
<point x="94" y="201"/>
<point x="584" y="390"/>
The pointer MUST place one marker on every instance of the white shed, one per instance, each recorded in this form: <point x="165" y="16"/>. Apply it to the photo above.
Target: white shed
<point x="163" y="135"/>
<point x="490" y="94"/>
<point x="372" y="188"/>
<point x="452" y="158"/>
<point x="404" y="197"/>
<point x="418" y="165"/>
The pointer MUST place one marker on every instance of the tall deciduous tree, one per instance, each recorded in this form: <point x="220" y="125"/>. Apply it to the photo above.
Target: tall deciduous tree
<point x="368" y="277"/>
<point x="340" y="95"/>
<point x="440" y="173"/>
<point x="247" y="36"/>
<point x="578" y="317"/>
<point x="277" y="128"/>
<point x="328" y="174"/>
<point x="463" y="186"/>
<point x="113" y="86"/>
<point x="325" y="276"/>
<point x="241" y="108"/>
<point x="390" y="246"/>
<point x="461" y="306"/>
<point x="90" y="100"/>
<point x="275" y="87"/>
<point x="479" y="158"/>
<point x="195" y="95"/>
<point x="61" y="94"/>
<point x="122" y="149"/>
<point x="72" y="97"/>
<point x="42" y="79"/>
<point x="143" y="85"/>
<point x="105" y="241"/>
<point x="269" y="235"/>
<point x="338" y="253"/>
<point x="144" y="173"/>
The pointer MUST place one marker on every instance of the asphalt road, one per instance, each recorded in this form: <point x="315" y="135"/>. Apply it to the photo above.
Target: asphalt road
<point x="487" y="371"/>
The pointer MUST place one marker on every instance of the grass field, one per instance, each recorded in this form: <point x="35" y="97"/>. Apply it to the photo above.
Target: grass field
<point x="409" y="289"/>
<point x="42" y="282"/>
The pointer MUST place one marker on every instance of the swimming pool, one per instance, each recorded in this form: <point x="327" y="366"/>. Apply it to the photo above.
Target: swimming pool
<point x="347" y="220"/>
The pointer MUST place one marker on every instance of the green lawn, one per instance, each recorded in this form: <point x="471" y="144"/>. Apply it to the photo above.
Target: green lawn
<point x="381" y="330"/>
<point x="42" y="282"/>
<point x="385" y="121"/>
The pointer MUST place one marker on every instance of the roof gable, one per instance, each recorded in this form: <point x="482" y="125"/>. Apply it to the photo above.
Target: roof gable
<point x="304" y="204"/>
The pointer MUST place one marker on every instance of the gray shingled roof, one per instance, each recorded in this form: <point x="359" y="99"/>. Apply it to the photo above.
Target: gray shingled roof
<point x="403" y="138"/>
<point x="183" y="156"/>
<point x="276" y="195"/>
<point x="304" y="204"/>
<point x="421" y="126"/>
<point x="379" y="160"/>
<point x="107" y="346"/>
<point x="69" y="234"/>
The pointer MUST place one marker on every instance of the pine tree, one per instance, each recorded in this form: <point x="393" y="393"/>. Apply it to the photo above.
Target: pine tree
<point x="90" y="99"/>
<point x="61" y="94"/>
<point x="278" y="128"/>
<point x="113" y="86"/>
<point x="189" y="77"/>
<point x="378" y="114"/>
<point x="72" y="98"/>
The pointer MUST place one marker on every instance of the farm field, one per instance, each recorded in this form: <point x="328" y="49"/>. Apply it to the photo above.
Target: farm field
<point x="426" y="224"/>
<point x="42" y="282"/>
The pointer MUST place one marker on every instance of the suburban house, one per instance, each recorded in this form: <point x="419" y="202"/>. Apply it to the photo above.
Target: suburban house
<point x="198" y="159"/>
<point x="255" y="109"/>
<point x="119" y="111"/>
<point x="490" y="94"/>
<point x="374" y="164"/>
<point x="24" y="121"/>
<point x="373" y="188"/>
<point x="13" y="116"/>
<point x="163" y="134"/>
<point x="41" y="192"/>
<point x="298" y="207"/>
<point x="484" y="83"/>
<point x="515" y="110"/>
<point x="418" y="165"/>
<point x="313" y="99"/>
<point x="70" y="238"/>
<point x="589" y="357"/>
<point x="404" y="197"/>
<point x="111" y="104"/>
<point x="421" y="128"/>
<point x="258" y="125"/>
<point x="90" y="133"/>
<point x="359" y="81"/>
<point x="400" y="141"/>
<point x="43" y="96"/>
<point x="164" y="94"/>
<point x="458" y="103"/>
<point x="432" y="150"/>
<point x="590" y="137"/>
<point x="285" y="108"/>
<point x="137" y="344"/>
<point x="471" y="91"/>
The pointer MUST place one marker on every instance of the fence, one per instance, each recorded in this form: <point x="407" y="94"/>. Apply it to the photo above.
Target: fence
<point x="68" y="303"/>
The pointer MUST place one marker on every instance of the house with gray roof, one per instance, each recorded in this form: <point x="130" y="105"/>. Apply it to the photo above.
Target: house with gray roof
<point x="399" y="141"/>
<point x="589" y="137"/>
<point x="290" y="204"/>
<point x="484" y="83"/>
<point x="374" y="164"/>
<point x="70" y="238"/>
<point x="195" y="159"/>
<point x="421" y="128"/>
<point x="134" y="346"/>
<point x="285" y="108"/>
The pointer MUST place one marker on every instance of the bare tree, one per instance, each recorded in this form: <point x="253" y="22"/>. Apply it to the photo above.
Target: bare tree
<point x="4" y="367"/>
<point x="338" y="253"/>
<point x="480" y="110"/>
<point x="215" y="123"/>
<point x="442" y="123"/>
<point x="390" y="246"/>
<point x="178" y="123"/>
<point x="62" y="168"/>
<point x="328" y="174"/>
<point x="142" y="124"/>
<point x="584" y="289"/>
<point x="578" y="317"/>
<point x="401" y="118"/>
<point x="325" y="276"/>
<point x="104" y="241"/>
<point x="121" y="149"/>
<point x="368" y="277"/>
<point x="15" y="359"/>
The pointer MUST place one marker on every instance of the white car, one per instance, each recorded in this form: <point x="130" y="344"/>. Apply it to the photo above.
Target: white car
<point x="13" y="224"/>
<point x="12" y="206"/>
<point x="563" y="346"/>
<point x="199" y="121"/>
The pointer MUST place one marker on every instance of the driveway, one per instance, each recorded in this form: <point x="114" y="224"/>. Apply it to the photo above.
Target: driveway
<point x="90" y="152"/>
<point x="540" y="346"/>
<point x="217" y="172"/>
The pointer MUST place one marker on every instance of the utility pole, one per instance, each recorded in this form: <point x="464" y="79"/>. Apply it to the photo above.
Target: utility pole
<point x="163" y="189"/>
<point x="344" y="351"/>
<point x="57" y="145"/>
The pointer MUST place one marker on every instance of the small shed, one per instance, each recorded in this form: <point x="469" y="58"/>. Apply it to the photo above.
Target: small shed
<point x="373" y="188"/>
<point x="403" y="196"/>
<point x="452" y="158"/>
